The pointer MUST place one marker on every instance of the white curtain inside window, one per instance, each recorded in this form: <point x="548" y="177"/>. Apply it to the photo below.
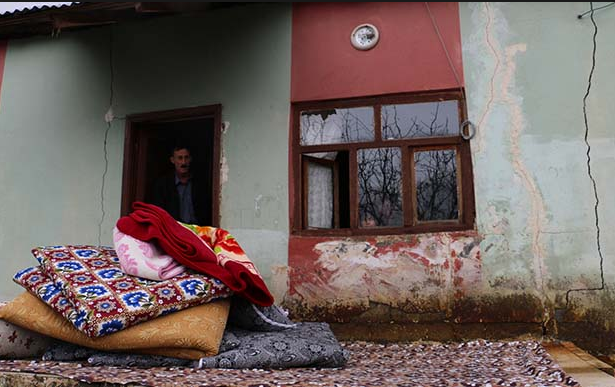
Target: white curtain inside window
<point x="320" y="196"/>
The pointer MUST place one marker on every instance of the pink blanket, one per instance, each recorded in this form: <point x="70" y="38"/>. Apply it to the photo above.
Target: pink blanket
<point x="144" y="259"/>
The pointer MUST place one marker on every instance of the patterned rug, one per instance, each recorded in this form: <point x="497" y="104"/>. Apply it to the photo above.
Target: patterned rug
<point x="472" y="364"/>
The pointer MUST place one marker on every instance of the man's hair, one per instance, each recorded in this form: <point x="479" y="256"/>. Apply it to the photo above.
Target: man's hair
<point x="179" y="145"/>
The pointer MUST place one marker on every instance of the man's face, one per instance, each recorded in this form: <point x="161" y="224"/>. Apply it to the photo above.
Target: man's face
<point x="181" y="160"/>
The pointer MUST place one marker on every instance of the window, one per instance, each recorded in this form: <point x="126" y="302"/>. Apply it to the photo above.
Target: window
<point x="385" y="165"/>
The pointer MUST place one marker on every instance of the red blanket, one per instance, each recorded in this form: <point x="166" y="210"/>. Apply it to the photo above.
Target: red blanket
<point x="151" y="223"/>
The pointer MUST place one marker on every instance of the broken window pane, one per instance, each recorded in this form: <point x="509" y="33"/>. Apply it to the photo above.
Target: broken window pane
<point x="335" y="126"/>
<point x="436" y="185"/>
<point x="380" y="188"/>
<point x="427" y="119"/>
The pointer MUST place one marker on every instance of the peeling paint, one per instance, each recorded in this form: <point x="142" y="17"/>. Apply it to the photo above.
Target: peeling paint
<point x="223" y="169"/>
<point x="257" y="206"/>
<point x="490" y="42"/>
<point x="260" y="200"/>
<point x="408" y="273"/>
<point x="537" y="215"/>
<point x="279" y="282"/>
<point x="495" y="222"/>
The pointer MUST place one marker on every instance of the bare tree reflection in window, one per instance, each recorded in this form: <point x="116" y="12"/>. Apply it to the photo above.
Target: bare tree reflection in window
<point x="337" y="126"/>
<point x="436" y="185"/>
<point x="379" y="179"/>
<point x="427" y="119"/>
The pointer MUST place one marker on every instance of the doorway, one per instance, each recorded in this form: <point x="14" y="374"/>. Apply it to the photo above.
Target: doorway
<point x="149" y="142"/>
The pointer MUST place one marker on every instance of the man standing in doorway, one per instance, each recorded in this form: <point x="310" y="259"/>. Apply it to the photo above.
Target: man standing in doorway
<point x="180" y="193"/>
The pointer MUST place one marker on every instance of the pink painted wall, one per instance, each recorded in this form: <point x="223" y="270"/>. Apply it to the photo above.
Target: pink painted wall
<point x="409" y="56"/>
<point x="339" y="279"/>
<point x="3" y="47"/>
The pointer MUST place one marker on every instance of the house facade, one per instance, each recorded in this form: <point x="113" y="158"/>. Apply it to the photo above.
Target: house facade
<point x="452" y="180"/>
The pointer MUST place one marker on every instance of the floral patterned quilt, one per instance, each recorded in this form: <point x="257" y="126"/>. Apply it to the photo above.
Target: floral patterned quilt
<point x="87" y="286"/>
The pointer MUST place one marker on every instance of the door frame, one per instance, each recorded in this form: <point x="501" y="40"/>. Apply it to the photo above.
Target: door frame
<point x="131" y="150"/>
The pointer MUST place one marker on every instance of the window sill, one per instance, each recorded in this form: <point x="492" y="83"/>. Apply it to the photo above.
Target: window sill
<point x="421" y="229"/>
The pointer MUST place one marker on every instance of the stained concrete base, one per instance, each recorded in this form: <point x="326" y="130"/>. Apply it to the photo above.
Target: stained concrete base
<point x="396" y="332"/>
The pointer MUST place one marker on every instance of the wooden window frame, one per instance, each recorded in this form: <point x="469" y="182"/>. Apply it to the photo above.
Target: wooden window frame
<point x="465" y="181"/>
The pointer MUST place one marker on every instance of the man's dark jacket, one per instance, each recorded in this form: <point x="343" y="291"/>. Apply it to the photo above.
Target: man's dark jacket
<point x="165" y="196"/>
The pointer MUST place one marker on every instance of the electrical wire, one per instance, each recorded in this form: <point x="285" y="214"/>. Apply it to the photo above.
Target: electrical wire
<point x="448" y="57"/>
<point x="468" y="123"/>
<point x="589" y="170"/>
<point x="592" y="10"/>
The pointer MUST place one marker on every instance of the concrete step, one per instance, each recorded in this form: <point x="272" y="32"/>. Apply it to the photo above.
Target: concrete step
<point x="585" y="368"/>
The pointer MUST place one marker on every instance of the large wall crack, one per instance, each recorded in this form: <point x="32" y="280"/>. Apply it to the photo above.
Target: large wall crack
<point x="589" y="168"/>
<point x="490" y="42"/>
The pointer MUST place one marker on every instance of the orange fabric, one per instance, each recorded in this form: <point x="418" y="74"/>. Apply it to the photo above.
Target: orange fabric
<point x="188" y="334"/>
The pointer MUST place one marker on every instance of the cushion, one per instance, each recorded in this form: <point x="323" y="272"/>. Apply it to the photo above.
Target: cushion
<point x="144" y="259"/>
<point x="19" y="343"/>
<point x="87" y="286"/>
<point x="252" y="317"/>
<point x="188" y="334"/>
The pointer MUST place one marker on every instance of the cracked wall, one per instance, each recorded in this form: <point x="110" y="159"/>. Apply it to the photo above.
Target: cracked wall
<point x="527" y="68"/>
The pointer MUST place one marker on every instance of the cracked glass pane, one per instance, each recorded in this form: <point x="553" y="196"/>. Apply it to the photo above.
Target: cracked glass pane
<point x="337" y="126"/>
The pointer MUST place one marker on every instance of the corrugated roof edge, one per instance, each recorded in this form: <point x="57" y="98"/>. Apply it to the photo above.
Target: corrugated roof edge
<point x="37" y="8"/>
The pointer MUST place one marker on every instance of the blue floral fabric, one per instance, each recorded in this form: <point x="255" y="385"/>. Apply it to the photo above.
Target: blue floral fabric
<point x="86" y="285"/>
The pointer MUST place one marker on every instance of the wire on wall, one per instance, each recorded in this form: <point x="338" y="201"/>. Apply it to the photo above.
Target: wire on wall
<point x="448" y="57"/>
<point x="589" y="169"/>
<point x="468" y="123"/>
<point x="592" y="10"/>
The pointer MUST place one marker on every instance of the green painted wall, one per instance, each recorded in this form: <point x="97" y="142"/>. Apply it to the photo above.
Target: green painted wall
<point x="54" y="97"/>
<point x="56" y="92"/>
<point x="526" y="68"/>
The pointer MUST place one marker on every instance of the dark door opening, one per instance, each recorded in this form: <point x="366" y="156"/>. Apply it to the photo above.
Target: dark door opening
<point x="149" y="142"/>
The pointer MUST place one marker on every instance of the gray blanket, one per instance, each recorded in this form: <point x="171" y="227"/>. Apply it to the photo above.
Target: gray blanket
<point x="305" y="345"/>
<point x="254" y="338"/>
